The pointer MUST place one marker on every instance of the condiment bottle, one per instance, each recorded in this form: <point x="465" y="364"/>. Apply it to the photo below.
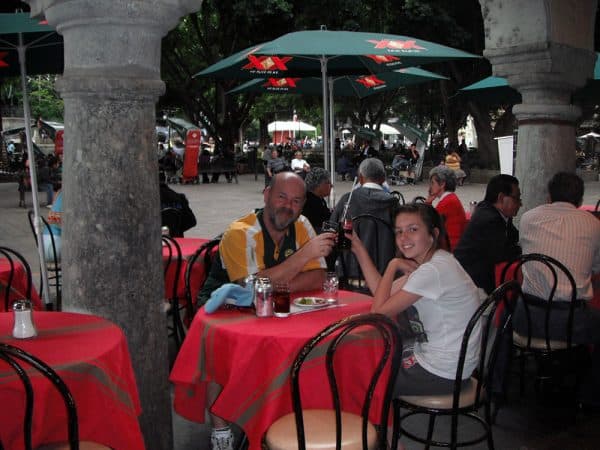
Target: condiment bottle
<point x="23" y="315"/>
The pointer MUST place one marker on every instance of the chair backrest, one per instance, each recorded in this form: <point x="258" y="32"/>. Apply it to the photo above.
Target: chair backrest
<point x="552" y="265"/>
<point x="54" y="265"/>
<point x="378" y="236"/>
<point x="14" y="258"/>
<point x="506" y="294"/>
<point x="15" y="358"/>
<point x="206" y="253"/>
<point x="399" y="196"/>
<point x="173" y="260"/>
<point x="172" y="218"/>
<point x="336" y="333"/>
<point x="419" y="199"/>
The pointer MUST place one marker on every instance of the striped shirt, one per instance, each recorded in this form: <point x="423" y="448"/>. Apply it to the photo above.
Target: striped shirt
<point x="243" y="249"/>
<point x="565" y="233"/>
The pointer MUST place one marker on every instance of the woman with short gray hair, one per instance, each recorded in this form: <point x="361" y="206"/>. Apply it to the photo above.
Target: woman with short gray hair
<point x="442" y="184"/>
<point x="318" y="186"/>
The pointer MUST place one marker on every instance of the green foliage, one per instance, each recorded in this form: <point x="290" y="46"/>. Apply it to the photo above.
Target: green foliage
<point x="43" y="99"/>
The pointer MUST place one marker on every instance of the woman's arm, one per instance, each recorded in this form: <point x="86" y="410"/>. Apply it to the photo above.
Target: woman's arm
<point x="387" y="304"/>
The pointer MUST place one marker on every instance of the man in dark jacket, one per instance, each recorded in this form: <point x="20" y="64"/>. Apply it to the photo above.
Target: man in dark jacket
<point x="169" y="199"/>
<point x="369" y="198"/>
<point x="490" y="236"/>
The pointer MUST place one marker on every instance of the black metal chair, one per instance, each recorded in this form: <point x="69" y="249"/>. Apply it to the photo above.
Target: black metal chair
<point x="53" y="264"/>
<point x="399" y="196"/>
<point x="466" y="401"/>
<point x="419" y="199"/>
<point x="377" y="235"/>
<point x="597" y="208"/>
<point x="205" y="253"/>
<point x="174" y="259"/>
<point x="327" y="429"/>
<point x="13" y="257"/>
<point x="172" y="218"/>
<point x="542" y="344"/>
<point x="22" y="362"/>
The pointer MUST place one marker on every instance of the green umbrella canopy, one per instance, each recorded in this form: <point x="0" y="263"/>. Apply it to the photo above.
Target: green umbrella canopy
<point x="346" y="53"/>
<point x="495" y="90"/>
<point x="348" y="86"/>
<point x="44" y="46"/>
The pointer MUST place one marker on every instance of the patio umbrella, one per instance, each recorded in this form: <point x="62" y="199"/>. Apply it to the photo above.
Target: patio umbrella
<point x="496" y="90"/>
<point x="331" y="53"/>
<point x="343" y="86"/>
<point x="18" y="34"/>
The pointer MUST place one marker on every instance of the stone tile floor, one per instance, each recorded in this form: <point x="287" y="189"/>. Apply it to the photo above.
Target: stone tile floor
<point x="526" y="423"/>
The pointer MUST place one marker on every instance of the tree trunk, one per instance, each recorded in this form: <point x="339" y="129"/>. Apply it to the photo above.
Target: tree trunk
<point x="487" y="147"/>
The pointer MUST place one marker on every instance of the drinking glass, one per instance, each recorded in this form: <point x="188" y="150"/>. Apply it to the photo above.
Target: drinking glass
<point x="330" y="287"/>
<point x="281" y="299"/>
<point x="329" y="227"/>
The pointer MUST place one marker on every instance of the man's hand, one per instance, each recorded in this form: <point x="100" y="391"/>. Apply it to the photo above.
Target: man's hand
<point x="320" y="246"/>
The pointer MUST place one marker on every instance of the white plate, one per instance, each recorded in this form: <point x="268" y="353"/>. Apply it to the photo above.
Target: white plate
<point x="310" y="302"/>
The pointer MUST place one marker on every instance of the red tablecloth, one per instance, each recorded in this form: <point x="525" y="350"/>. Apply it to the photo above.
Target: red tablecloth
<point x="91" y="356"/>
<point x="18" y="286"/>
<point x="251" y="358"/>
<point x="188" y="248"/>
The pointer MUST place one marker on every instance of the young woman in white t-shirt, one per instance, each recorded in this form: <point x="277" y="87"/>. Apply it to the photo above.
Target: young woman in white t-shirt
<point x="436" y="293"/>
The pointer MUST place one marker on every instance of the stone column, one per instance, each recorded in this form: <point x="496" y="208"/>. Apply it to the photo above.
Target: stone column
<point x="545" y="50"/>
<point x="111" y="258"/>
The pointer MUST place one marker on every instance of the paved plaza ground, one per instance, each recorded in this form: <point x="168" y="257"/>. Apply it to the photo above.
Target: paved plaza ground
<point x="525" y="424"/>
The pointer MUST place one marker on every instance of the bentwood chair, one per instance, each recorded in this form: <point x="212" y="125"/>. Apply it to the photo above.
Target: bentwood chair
<point x="377" y="235"/>
<point x="204" y="255"/>
<point x="53" y="265"/>
<point x="419" y="199"/>
<point x="173" y="262"/>
<point x="14" y="258"/>
<point x="465" y="401"/>
<point x="538" y="340"/>
<point x="399" y="196"/>
<point x="336" y="428"/>
<point x="23" y="363"/>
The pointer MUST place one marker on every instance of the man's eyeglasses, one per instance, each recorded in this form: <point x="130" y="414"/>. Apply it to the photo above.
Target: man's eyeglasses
<point x="516" y="198"/>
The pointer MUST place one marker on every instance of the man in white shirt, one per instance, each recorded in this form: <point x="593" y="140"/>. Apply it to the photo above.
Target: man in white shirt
<point x="572" y="236"/>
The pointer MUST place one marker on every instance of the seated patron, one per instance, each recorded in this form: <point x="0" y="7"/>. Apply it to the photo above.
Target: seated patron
<point x="371" y="198"/>
<point x="275" y="242"/>
<point x="490" y="236"/>
<point x="299" y="165"/>
<point x="572" y="236"/>
<point x="171" y="199"/>
<point x="436" y="294"/>
<point x="318" y="187"/>
<point x="442" y="183"/>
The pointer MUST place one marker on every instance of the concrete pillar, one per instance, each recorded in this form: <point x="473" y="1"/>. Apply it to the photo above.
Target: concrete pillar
<point x="111" y="256"/>
<point x="545" y="50"/>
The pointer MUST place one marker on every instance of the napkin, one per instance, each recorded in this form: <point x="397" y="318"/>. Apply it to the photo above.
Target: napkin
<point x="229" y="293"/>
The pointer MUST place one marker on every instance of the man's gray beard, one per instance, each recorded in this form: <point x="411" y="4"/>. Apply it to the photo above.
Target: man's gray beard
<point x="277" y="225"/>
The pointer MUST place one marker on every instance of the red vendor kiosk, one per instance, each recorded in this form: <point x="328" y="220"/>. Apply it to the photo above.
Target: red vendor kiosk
<point x="190" y="157"/>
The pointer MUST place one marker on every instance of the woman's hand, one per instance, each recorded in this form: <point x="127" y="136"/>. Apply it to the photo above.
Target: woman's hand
<point x="404" y="265"/>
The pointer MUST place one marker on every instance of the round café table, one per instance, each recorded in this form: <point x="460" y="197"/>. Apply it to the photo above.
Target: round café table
<point x="90" y="354"/>
<point x="251" y="358"/>
<point x="18" y="287"/>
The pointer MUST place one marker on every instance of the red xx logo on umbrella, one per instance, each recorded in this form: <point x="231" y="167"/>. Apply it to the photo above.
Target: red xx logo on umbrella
<point x="267" y="63"/>
<point x="2" y="56"/>
<point x="281" y="83"/>
<point x="402" y="46"/>
<point x="370" y="81"/>
<point x="384" y="59"/>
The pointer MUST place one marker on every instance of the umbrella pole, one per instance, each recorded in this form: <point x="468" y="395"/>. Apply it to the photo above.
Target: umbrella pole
<point x="323" y="60"/>
<point x="331" y="133"/>
<point x="33" y="174"/>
